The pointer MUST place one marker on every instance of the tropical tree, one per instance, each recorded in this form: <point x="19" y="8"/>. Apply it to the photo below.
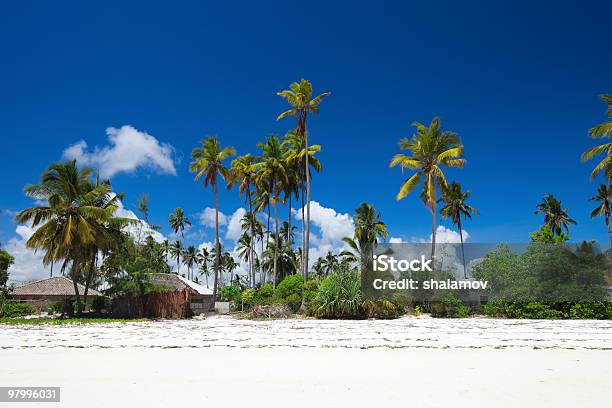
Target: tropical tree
<point x="243" y="174"/>
<point x="202" y="260"/>
<point x="429" y="150"/>
<point x="178" y="222"/>
<point x="271" y="170"/>
<point x="77" y="220"/>
<point x="299" y="97"/>
<point x="208" y="165"/>
<point x="555" y="216"/>
<point x="602" y="130"/>
<point x="6" y="260"/>
<point x="190" y="258"/>
<point x="602" y="198"/>
<point x="176" y="250"/>
<point x="454" y="207"/>
<point x="329" y="262"/>
<point x="296" y="180"/>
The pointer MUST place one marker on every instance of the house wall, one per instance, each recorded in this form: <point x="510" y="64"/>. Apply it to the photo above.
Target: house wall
<point x="41" y="302"/>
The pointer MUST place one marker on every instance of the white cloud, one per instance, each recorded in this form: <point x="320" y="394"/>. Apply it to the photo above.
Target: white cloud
<point x="445" y="236"/>
<point x="396" y="240"/>
<point x="128" y="150"/>
<point x="28" y="265"/>
<point x="138" y="231"/>
<point x="207" y="218"/>
<point x="234" y="229"/>
<point x="333" y="226"/>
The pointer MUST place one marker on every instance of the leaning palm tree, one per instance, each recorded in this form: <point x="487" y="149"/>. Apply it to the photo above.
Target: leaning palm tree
<point x="75" y="222"/>
<point x="603" y="200"/>
<point x="555" y="216"/>
<point x="207" y="164"/>
<point x="603" y="130"/>
<point x="430" y="149"/>
<point x="299" y="97"/>
<point x="454" y="206"/>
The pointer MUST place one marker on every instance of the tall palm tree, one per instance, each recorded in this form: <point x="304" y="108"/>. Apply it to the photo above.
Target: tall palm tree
<point x="295" y="158"/>
<point x="177" y="251"/>
<point x="602" y="130"/>
<point x="603" y="199"/>
<point x="299" y="97"/>
<point x="243" y="174"/>
<point x="273" y="172"/>
<point x="190" y="258"/>
<point x="75" y="222"/>
<point x="330" y="262"/>
<point x="208" y="165"/>
<point x="455" y="206"/>
<point x="555" y="216"/>
<point x="429" y="150"/>
<point x="165" y="246"/>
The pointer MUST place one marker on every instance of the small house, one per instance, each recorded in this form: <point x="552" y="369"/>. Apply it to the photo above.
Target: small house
<point x="58" y="288"/>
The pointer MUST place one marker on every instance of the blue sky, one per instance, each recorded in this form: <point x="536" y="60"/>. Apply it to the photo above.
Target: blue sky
<point x="519" y="82"/>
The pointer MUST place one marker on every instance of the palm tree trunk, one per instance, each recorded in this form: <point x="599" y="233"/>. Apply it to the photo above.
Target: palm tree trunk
<point x="90" y="273"/>
<point x="303" y="243"/>
<point x="289" y="222"/>
<point x="275" y="243"/>
<point x="217" y="246"/>
<point x="462" y="249"/>
<point x="433" y="230"/>
<point x="252" y="243"/>
<point x="75" y="268"/>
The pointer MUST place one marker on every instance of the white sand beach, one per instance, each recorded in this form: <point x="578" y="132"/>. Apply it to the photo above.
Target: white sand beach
<point x="419" y="362"/>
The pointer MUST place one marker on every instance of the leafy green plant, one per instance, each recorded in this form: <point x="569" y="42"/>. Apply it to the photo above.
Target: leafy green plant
<point x="339" y="296"/>
<point x="55" y="307"/>
<point x="290" y="286"/>
<point x="99" y="304"/>
<point x="247" y="296"/>
<point x="417" y="310"/>
<point x="16" y="309"/>
<point x="381" y="309"/>
<point x="294" y="301"/>
<point x="450" y="306"/>
<point x="263" y="294"/>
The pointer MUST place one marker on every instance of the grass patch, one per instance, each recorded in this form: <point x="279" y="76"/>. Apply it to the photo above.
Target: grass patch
<point x="16" y="321"/>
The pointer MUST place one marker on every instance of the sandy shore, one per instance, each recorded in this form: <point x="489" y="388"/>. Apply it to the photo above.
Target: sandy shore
<point x="295" y="363"/>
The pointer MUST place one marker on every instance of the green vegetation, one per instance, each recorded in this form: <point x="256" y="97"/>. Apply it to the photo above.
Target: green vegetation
<point x="55" y="321"/>
<point x="15" y="309"/>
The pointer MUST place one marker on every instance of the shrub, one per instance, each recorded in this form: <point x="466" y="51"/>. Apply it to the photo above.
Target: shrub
<point x="591" y="310"/>
<point x="55" y="307"/>
<point x="339" y="296"/>
<point x="381" y="309"/>
<point x="247" y="297"/>
<point x="522" y="310"/>
<point x="99" y="304"/>
<point x="450" y="306"/>
<point x="263" y="294"/>
<point x="310" y="290"/>
<point x="294" y="301"/>
<point x="291" y="285"/>
<point x="417" y="310"/>
<point x="16" y="309"/>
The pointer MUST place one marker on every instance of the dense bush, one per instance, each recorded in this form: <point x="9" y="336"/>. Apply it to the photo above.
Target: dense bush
<point x="291" y="285"/>
<point x="55" y="307"/>
<point x="247" y="297"/>
<point x="99" y="304"/>
<point x="16" y="309"/>
<point x="450" y="306"/>
<point x="294" y="301"/>
<point x="339" y="296"/>
<point x="381" y="309"/>
<point x="263" y="294"/>
<point x="539" y="310"/>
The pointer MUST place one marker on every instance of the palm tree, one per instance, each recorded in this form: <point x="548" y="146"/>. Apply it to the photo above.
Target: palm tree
<point x="295" y="157"/>
<point x="202" y="259"/>
<point x="603" y="130"/>
<point x="555" y="216"/>
<point x="271" y="170"/>
<point x="77" y="220"/>
<point x="165" y="249"/>
<point x="430" y="149"/>
<point x="178" y="221"/>
<point x="330" y="262"/>
<point x="190" y="258"/>
<point x="602" y="198"/>
<point x="177" y="250"/>
<point x="299" y="97"/>
<point x="243" y="173"/>
<point x="454" y="207"/>
<point x="208" y="166"/>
